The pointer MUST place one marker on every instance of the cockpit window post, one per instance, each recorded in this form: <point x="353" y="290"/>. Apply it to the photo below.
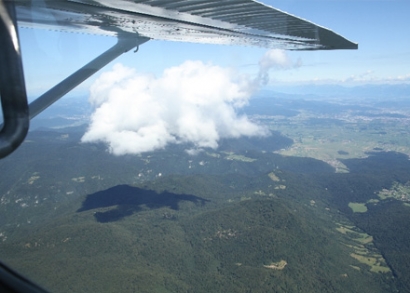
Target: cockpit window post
<point x="16" y="111"/>
<point x="12" y="86"/>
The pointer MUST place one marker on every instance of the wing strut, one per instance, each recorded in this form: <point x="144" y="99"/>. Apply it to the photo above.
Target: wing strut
<point x="16" y="111"/>
<point x="124" y="44"/>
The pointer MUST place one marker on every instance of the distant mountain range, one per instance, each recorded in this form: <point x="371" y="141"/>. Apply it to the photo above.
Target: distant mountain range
<point x="378" y="91"/>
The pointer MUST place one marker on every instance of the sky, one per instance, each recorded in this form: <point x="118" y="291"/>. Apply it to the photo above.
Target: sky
<point x="137" y="103"/>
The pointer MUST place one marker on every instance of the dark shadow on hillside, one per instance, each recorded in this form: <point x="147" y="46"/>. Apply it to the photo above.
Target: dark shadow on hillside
<point x="129" y="200"/>
<point x="366" y="178"/>
<point x="379" y="162"/>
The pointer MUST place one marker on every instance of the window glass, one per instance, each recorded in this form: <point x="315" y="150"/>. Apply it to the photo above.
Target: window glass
<point x="187" y="167"/>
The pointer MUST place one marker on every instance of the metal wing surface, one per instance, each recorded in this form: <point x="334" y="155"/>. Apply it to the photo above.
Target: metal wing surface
<point x="233" y="22"/>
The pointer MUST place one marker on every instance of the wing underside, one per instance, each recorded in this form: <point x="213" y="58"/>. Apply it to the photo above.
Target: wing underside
<point x="234" y="22"/>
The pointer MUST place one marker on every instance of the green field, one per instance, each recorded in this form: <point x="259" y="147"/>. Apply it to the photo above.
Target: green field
<point x="373" y="260"/>
<point x="358" y="207"/>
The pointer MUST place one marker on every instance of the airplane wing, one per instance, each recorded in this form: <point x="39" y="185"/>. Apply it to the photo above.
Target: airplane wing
<point x="234" y="22"/>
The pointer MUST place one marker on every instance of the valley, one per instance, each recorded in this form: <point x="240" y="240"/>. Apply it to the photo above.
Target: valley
<point x="319" y="205"/>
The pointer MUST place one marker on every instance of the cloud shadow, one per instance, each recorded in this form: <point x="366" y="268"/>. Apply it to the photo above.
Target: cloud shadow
<point x="129" y="200"/>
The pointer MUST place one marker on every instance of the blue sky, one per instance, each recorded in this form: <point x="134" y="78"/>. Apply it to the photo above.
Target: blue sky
<point x="380" y="28"/>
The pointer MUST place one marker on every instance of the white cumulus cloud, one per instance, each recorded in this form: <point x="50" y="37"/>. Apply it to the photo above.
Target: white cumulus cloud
<point x="192" y="103"/>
